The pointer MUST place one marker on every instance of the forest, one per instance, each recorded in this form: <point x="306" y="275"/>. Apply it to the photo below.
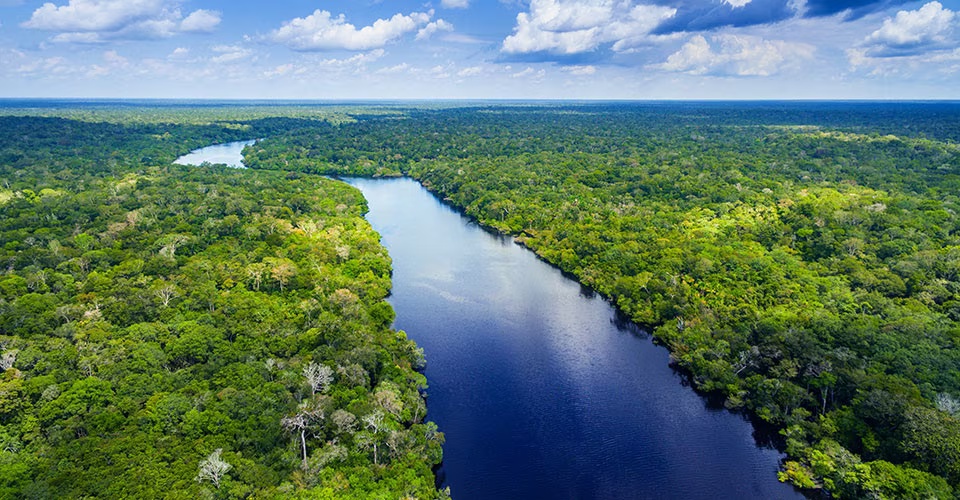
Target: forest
<point x="799" y="260"/>
<point x="185" y="332"/>
<point x="195" y="332"/>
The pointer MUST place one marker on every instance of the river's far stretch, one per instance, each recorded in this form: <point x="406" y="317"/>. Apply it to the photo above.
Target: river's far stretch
<point x="230" y="153"/>
<point x="541" y="391"/>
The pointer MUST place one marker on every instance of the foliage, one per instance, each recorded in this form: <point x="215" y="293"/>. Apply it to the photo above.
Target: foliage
<point x="157" y="320"/>
<point x="796" y="258"/>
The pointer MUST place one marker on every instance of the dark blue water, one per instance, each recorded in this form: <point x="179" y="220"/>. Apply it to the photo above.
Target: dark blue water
<point x="540" y="390"/>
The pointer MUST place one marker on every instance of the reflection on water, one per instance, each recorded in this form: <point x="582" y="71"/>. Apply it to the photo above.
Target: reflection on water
<point x="229" y="153"/>
<point x="542" y="389"/>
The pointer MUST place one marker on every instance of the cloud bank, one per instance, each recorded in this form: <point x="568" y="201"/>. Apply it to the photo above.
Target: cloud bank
<point x="96" y="21"/>
<point x="321" y="31"/>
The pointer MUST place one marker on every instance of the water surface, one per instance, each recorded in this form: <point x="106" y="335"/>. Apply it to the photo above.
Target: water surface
<point x="541" y="390"/>
<point x="230" y="153"/>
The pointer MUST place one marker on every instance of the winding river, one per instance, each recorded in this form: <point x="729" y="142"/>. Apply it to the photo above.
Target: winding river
<point x="542" y="390"/>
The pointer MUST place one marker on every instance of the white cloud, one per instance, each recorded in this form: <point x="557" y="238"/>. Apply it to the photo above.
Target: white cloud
<point x="112" y="60"/>
<point x="455" y="4"/>
<point x="736" y="55"/>
<point x="78" y="38"/>
<point x="530" y="73"/>
<point x="281" y="70"/>
<point x="527" y="72"/>
<point x="471" y="71"/>
<point x="321" y="31"/>
<point x="112" y="57"/>
<point x="461" y="38"/>
<point x="431" y="28"/>
<point x="912" y="32"/>
<point x="50" y="64"/>
<point x="439" y="71"/>
<point x="97" y="21"/>
<point x="355" y="60"/>
<point x="394" y="69"/>
<point x="578" y="26"/>
<point x="737" y="3"/>
<point x="179" y="53"/>
<point x="200" y="21"/>
<point x="230" y="53"/>
<point x="94" y="15"/>
<point x="580" y="70"/>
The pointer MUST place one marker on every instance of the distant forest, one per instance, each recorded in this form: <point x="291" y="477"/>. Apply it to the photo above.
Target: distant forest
<point x="181" y="332"/>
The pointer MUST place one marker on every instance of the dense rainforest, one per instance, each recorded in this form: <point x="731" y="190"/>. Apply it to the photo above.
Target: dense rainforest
<point x="800" y="260"/>
<point x="181" y="332"/>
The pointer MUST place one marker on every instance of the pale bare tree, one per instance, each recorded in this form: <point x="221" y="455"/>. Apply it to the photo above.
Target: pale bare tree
<point x="165" y="293"/>
<point x="55" y="247"/>
<point x="948" y="403"/>
<point x="213" y="468"/>
<point x="746" y="359"/>
<point x="374" y="424"/>
<point x="387" y="399"/>
<point x="171" y="242"/>
<point x="308" y="226"/>
<point x="8" y="359"/>
<point x="299" y="422"/>
<point x="132" y="218"/>
<point x="255" y="272"/>
<point x="282" y="270"/>
<point x="318" y="376"/>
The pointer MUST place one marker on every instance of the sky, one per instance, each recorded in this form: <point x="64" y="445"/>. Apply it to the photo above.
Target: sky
<point x="481" y="49"/>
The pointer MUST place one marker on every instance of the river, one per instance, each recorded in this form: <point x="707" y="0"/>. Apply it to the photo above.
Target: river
<point x="542" y="390"/>
<point x="230" y="153"/>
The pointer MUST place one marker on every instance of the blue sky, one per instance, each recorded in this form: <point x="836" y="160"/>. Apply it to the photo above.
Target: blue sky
<point x="515" y="49"/>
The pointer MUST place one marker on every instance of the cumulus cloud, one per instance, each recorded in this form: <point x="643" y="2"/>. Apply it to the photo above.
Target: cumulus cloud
<point x="455" y="4"/>
<point x="433" y="27"/>
<point x="200" y="21"/>
<point x="913" y="32"/>
<point x="322" y="31"/>
<point x="735" y="55"/>
<point x="94" y="15"/>
<point x="96" y="21"/>
<point x="565" y="27"/>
